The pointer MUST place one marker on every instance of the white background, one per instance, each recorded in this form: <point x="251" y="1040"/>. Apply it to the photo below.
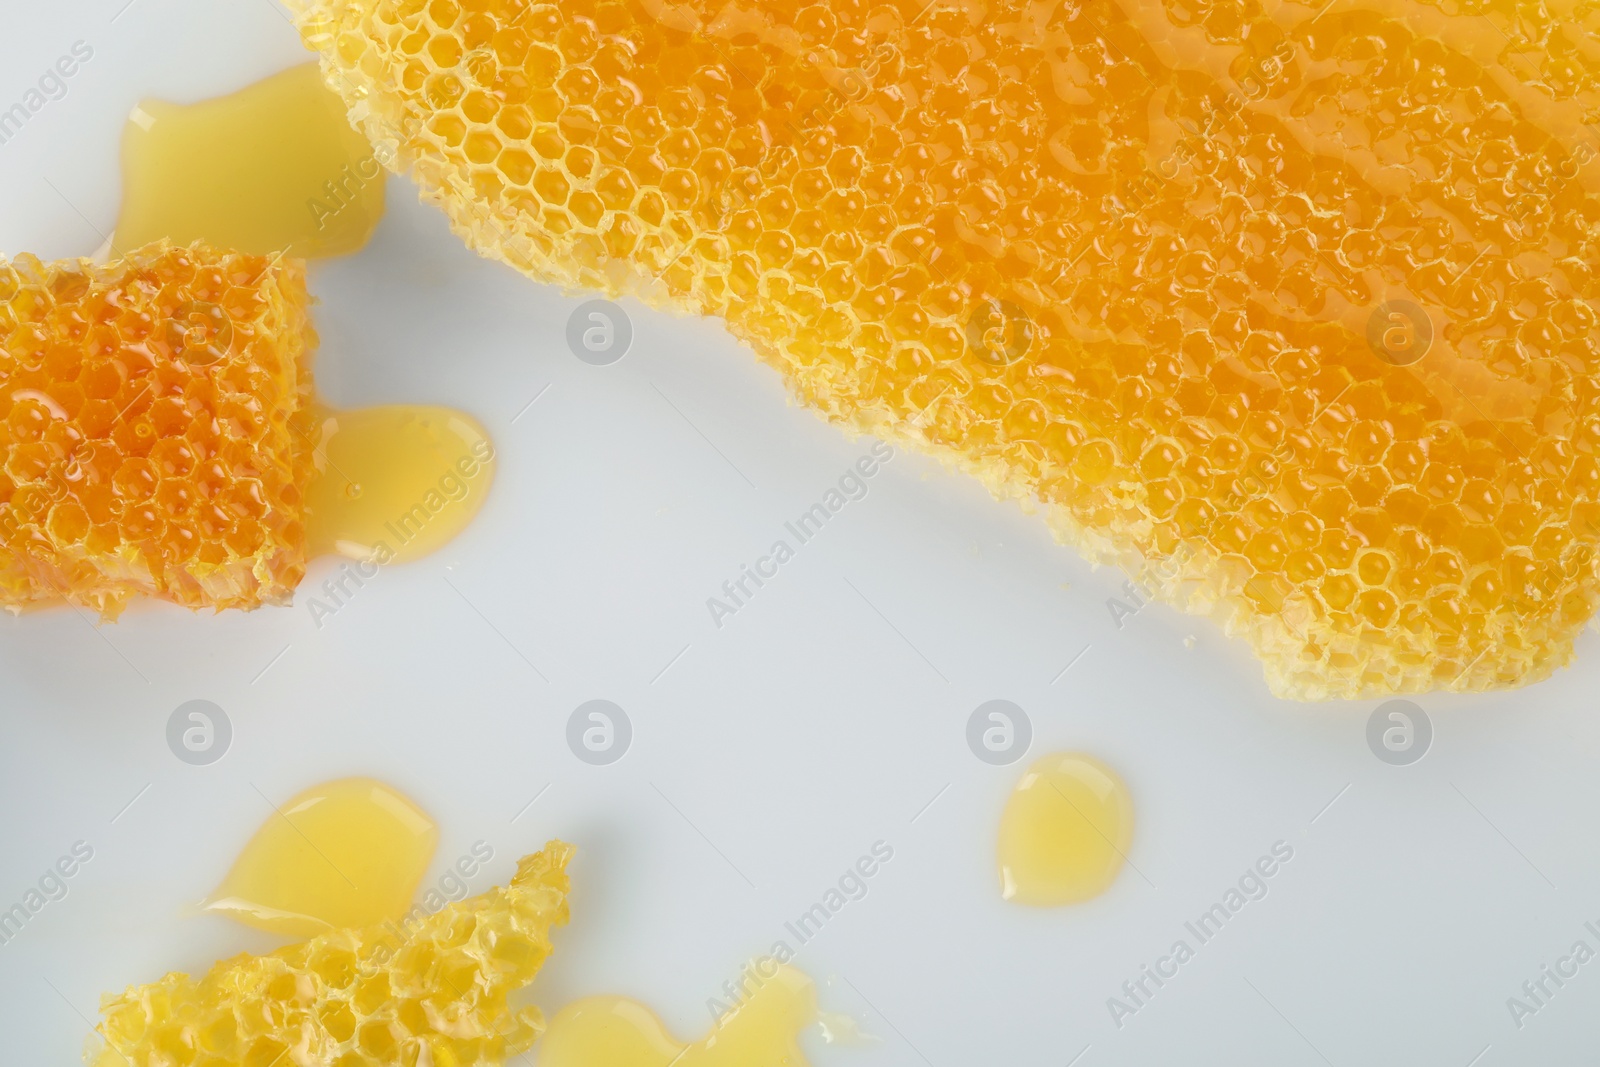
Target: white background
<point x="770" y="754"/>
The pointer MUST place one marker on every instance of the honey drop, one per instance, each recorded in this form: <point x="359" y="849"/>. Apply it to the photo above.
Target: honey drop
<point x="346" y="853"/>
<point x="1065" y="831"/>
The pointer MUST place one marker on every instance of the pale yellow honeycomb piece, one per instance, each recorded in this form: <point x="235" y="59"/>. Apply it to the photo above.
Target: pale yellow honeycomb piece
<point x="1160" y="266"/>
<point x="428" y="990"/>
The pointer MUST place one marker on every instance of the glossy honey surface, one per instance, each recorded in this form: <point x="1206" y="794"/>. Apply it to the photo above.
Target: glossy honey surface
<point x="1065" y="831"/>
<point x="345" y="853"/>
<point x="274" y="167"/>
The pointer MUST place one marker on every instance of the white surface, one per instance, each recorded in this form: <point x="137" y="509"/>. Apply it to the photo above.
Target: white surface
<point x="775" y="750"/>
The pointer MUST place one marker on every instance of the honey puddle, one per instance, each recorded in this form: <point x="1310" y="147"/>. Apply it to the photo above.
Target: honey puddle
<point x="1065" y="831"/>
<point x="761" y="1031"/>
<point x="395" y="483"/>
<point x="275" y="167"/>
<point x="344" y="854"/>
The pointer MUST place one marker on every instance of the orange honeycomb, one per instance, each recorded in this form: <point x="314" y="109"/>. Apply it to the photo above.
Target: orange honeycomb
<point x="1288" y="309"/>
<point x="155" y="432"/>
<point x="433" y="993"/>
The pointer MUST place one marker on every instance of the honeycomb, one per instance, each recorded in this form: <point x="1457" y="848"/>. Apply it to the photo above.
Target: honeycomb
<point x="155" y="433"/>
<point x="433" y="993"/>
<point x="1287" y="309"/>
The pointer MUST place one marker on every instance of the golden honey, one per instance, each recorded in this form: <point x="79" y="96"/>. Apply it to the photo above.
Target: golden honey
<point x="275" y="167"/>
<point x="762" y="1030"/>
<point x="394" y="483"/>
<point x="1065" y="831"/>
<point x="346" y="853"/>
<point x="1287" y="309"/>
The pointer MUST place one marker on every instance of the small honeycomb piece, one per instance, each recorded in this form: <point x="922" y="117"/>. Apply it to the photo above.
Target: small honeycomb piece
<point x="1288" y="309"/>
<point x="155" y="428"/>
<point x="429" y="990"/>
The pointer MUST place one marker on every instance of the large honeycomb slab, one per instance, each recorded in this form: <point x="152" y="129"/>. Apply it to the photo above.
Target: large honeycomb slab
<point x="1287" y="309"/>
<point x="155" y="428"/>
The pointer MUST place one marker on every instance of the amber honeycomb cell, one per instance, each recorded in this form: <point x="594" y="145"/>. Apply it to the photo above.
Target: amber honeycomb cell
<point x="1163" y="267"/>
<point x="154" y="428"/>
<point x="429" y="990"/>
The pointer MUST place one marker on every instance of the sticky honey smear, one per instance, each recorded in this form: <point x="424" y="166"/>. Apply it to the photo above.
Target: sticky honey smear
<point x="762" y="1030"/>
<point x="1164" y="267"/>
<point x="1065" y="831"/>
<point x="431" y="993"/>
<point x="345" y="853"/>
<point x="274" y="167"/>
<point x="154" y="429"/>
